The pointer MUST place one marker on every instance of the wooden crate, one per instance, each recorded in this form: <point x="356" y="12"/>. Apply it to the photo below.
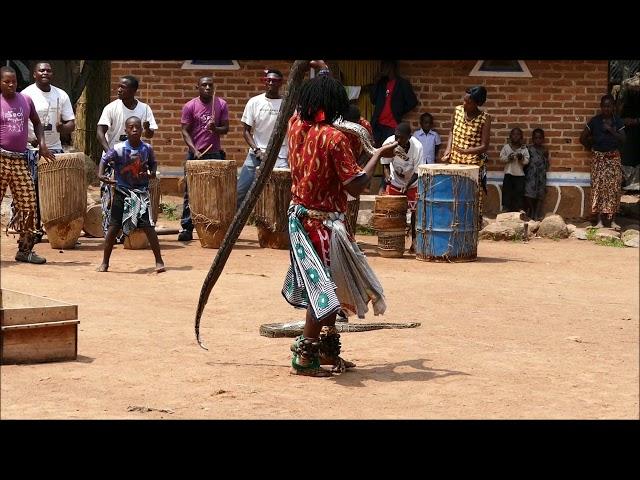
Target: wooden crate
<point x="36" y="329"/>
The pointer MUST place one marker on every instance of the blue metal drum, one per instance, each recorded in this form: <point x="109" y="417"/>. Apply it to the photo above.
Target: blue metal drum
<point x="447" y="213"/>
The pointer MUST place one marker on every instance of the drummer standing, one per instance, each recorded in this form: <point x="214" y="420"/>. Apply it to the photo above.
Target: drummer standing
<point x="204" y="119"/>
<point x="259" y="120"/>
<point x="401" y="171"/>
<point x="111" y="129"/>
<point x="15" y="110"/>
<point x="56" y="114"/>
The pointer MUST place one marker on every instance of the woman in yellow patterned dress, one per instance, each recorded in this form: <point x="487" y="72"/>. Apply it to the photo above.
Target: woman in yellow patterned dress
<point x="469" y="137"/>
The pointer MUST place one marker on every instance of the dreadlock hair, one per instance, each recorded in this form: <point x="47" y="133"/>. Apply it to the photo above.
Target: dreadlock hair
<point x="323" y="93"/>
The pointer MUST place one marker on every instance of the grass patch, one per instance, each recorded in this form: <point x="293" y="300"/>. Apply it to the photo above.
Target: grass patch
<point x="169" y="210"/>
<point x="360" y="230"/>
<point x="610" y="242"/>
<point x="607" y="242"/>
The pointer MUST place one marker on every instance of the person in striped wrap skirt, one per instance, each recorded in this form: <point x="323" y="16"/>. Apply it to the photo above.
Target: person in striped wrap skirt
<point x="323" y="170"/>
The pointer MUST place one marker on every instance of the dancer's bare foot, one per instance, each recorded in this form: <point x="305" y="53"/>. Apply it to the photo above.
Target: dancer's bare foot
<point x="160" y="267"/>
<point x="614" y="225"/>
<point x="103" y="268"/>
<point x="599" y="224"/>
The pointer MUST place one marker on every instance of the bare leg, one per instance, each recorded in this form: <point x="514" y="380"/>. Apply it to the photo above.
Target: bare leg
<point x="412" y="248"/>
<point x="530" y="209"/>
<point x="614" y="225"/>
<point x="152" y="236"/>
<point x="109" y="241"/>
<point x="599" y="224"/>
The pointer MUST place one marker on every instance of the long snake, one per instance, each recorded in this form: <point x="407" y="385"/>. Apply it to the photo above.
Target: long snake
<point x="364" y="137"/>
<point x="294" y="84"/>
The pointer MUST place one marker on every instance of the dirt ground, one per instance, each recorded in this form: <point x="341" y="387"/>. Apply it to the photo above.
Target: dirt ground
<point x="539" y="330"/>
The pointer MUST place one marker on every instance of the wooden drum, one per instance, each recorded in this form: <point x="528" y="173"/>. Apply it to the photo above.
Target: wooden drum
<point x="212" y="188"/>
<point x="137" y="239"/>
<point x="93" y="221"/>
<point x="63" y="198"/>
<point x="270" y="212"/>
<point x="390" y="221"/>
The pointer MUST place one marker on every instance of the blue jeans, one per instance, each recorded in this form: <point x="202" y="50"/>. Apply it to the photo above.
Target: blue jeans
<point x="185" y="221"/>
<point x="248" y="174"/>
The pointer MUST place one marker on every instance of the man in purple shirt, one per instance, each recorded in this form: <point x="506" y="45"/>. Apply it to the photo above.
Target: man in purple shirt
<point x="201" y="130"/>
<point x="15" y="112"/>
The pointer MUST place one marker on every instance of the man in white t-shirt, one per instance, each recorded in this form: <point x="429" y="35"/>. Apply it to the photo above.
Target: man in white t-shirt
<point x="259" y="119"/>
<point x="114" y="115"/>
<point x="111" y="129"/>
<point x="56" y="115"/>
<point x="401" y="170"/>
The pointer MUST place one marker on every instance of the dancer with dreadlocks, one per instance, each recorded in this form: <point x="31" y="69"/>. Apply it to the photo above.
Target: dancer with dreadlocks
<point x="328" y="271"/>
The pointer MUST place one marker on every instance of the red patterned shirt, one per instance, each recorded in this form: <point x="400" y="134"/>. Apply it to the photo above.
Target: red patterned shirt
<point x="322" y="162"/>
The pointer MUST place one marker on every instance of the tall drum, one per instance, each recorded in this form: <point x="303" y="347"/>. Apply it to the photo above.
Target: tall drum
<point x="63" y="198"/>
<point x="390" y="221"/>
<point x="212" y="198"/>
<point x="270" y="211"/>
<point x="137" y="239"/>
<point x="447" y="213"/>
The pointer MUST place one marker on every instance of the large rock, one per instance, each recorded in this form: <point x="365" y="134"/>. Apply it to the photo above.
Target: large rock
<point x="511" y="216"/>
<point x="607" y="234"/>
<point x="553" y="226"/>
<point x="507" y="230"/>
<point x="631" y="238"/>
<point x="579" y="233"/>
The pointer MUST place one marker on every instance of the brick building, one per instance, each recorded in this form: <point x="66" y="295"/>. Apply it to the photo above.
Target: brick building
<point x="556" y="95"/>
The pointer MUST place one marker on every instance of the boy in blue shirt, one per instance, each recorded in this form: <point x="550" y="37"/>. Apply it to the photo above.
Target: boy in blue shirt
<point x="133" y="162"/>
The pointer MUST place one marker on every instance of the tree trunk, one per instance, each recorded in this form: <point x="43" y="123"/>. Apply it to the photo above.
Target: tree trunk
<point x="94" y="98"/>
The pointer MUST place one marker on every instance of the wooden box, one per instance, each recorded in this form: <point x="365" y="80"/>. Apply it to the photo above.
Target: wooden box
<point x="36" y="329"/>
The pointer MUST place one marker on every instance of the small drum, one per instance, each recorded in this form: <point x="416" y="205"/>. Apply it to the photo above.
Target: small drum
<point x="93" y="221"/>
<point x="390" y="212"/>
<point x="447" y="213"/>
<point x="390" y="221"/>
<point x="137" y="239"/>
<point x="270" y="212"/>
<point x="212" y="198"/>
<point x="353" y="207"/>
<point x="391" y="243"/>
<point x="63" y="198"/>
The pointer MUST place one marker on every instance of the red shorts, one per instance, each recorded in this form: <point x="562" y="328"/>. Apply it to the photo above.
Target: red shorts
<point x="412" y="195"/>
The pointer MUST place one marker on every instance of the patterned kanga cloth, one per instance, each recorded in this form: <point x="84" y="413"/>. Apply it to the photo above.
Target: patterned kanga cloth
<point x="606" y="179"/>
<point x="14" y="174"/>
<point x="136" y="204"/>
<point x="349" y="283"/>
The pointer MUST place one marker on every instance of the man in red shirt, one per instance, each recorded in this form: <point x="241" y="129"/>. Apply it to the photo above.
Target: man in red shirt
<point x="323" y="169"/>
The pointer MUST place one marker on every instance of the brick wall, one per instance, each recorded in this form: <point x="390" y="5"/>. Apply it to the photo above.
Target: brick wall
<point x="560" y="97"/>
<point x="166" y="88"/>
